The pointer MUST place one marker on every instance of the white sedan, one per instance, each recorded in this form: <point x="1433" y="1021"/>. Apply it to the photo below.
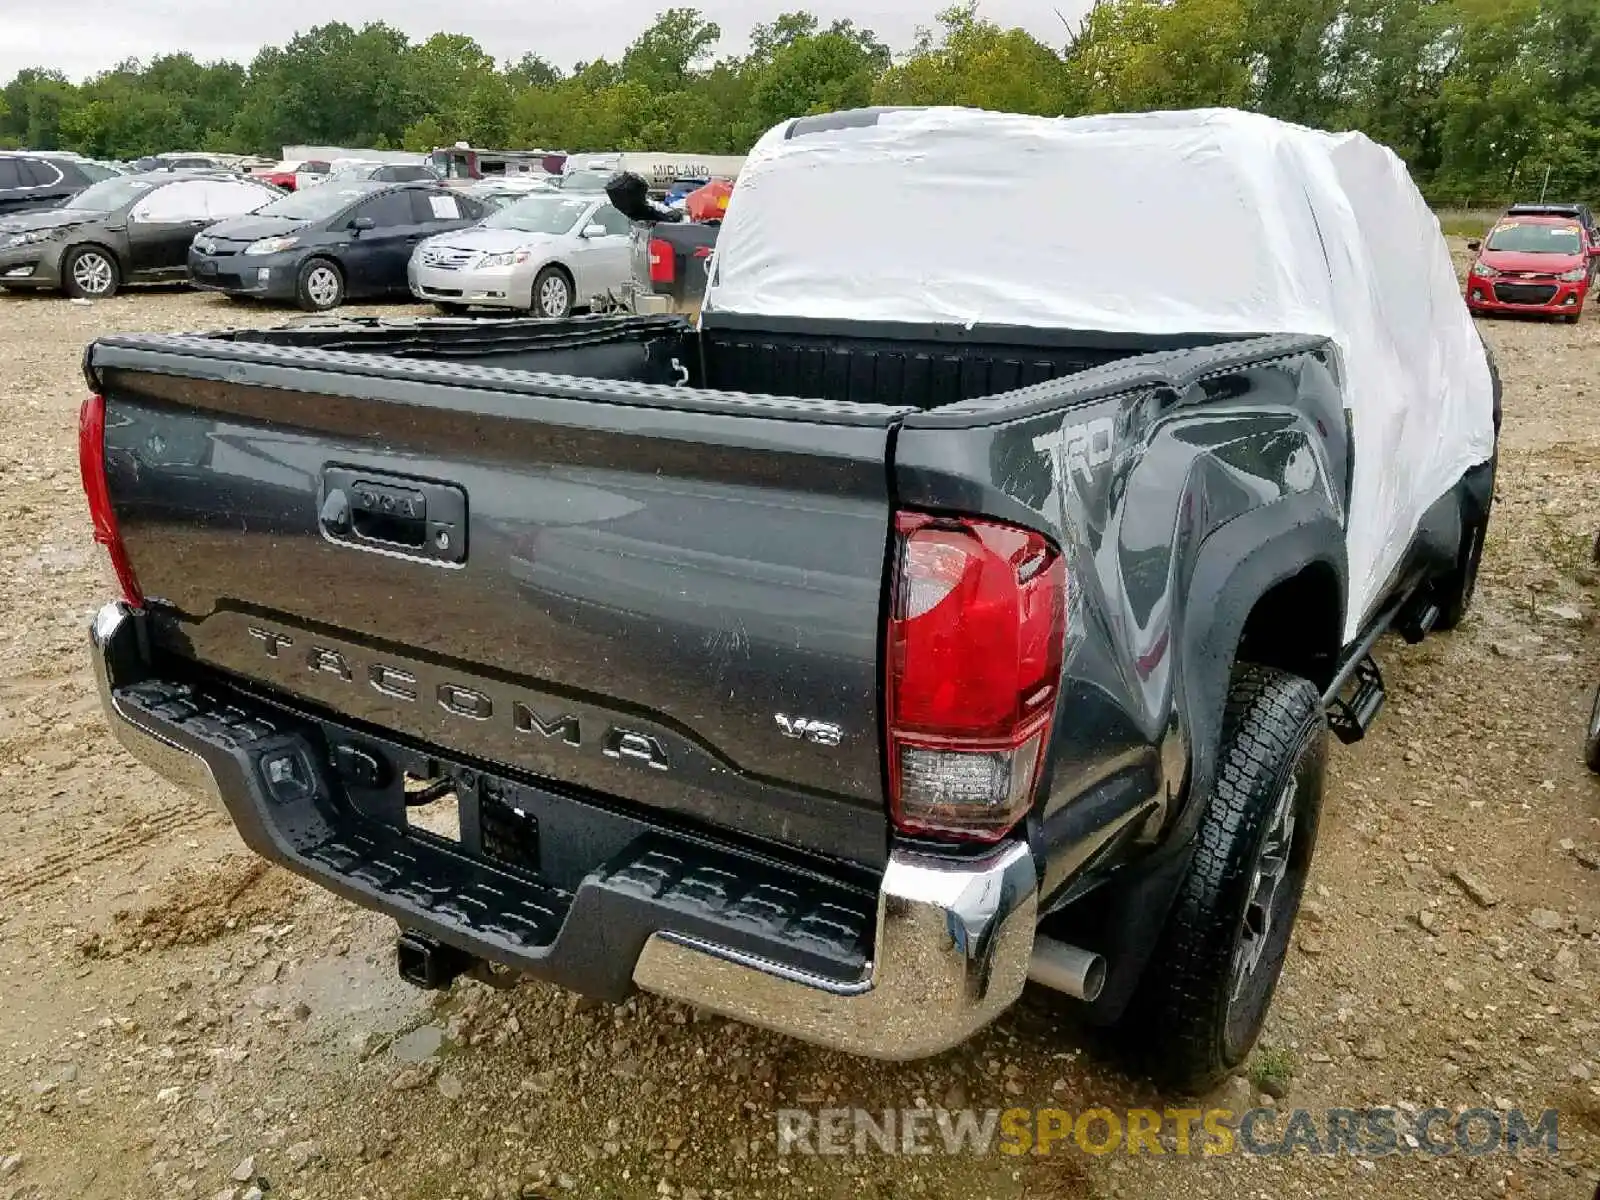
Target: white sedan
<point x="546" y="254"/>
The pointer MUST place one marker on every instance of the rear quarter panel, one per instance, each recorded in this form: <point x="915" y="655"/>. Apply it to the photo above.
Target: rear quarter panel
<point x="1134" y="472"/>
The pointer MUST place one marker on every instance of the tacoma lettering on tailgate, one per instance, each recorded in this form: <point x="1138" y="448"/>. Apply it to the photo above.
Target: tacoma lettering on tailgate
<point x="461" y="701"/>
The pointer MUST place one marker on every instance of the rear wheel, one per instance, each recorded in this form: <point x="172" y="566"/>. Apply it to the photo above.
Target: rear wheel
<point x="1453" y="592"/>
<point x="1205" y="995"/>
<point x="1591" y="747"/>
<point x="90" y="273"/>
<point x="319" y="286"/>
<point x="552" y="293"/>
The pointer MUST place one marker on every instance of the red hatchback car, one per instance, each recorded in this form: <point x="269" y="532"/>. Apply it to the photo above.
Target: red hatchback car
<point x="1533" y="264"/>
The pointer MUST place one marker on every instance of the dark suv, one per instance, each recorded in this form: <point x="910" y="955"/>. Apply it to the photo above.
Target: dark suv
<point x="29" y="181"/>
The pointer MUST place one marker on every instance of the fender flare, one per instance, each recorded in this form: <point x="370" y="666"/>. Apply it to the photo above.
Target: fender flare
<point x="1233" y="568"/>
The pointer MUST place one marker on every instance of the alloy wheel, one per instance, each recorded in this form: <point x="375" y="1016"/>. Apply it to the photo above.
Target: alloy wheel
<point x="1264" y="909"/>
<point x="92" y="272"/>
<point x="322" y="285"/>
<point x="553" y="297"/>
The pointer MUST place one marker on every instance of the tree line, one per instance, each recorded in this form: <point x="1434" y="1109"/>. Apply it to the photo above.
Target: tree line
<point x="1482" y="98"/>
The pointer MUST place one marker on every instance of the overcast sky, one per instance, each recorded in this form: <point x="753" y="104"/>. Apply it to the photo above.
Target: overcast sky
<point x="82" y="37"/>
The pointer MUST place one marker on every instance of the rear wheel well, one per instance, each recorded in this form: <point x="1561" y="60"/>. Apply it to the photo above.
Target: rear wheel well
<point x="109" y="251"/>
<point x="1296" y="626"/>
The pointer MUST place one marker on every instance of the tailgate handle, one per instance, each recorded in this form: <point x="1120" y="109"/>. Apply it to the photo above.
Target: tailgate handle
<point x="381" y="512"/>
<point x="371" y="510"/>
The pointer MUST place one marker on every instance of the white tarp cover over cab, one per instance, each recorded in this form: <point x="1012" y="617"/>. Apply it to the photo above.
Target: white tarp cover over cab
<point x="1211" y="221"/>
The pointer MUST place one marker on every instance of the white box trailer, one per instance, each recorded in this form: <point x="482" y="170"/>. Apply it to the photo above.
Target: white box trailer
<point x="661" y="171"/>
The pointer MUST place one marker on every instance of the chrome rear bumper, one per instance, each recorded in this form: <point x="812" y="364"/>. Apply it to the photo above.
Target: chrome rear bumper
<point x="953" y="948"/>
<point x="951" y="940"/>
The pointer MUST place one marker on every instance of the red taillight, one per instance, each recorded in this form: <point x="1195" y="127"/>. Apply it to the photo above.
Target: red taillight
<point x="974" y="663"/>
<point x="92" y="466"/>
<point x="663" y="263"/>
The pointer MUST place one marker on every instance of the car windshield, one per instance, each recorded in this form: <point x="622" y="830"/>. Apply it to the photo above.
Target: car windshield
<point x="539" y="214"/>
<point x="1537" y="239"/>
<point x="314" y="204"/>
<point x="109" y="194"/>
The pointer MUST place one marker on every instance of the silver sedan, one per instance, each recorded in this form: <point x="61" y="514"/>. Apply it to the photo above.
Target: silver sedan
<point x="546" y="254"/>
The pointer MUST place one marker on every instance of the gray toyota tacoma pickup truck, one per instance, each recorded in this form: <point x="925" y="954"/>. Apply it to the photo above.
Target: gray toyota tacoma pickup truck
<point x="836" y="676"/>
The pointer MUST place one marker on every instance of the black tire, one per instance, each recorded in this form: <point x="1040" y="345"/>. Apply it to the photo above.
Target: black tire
<point x="548" y="299"/>
<point x="90" y="273"/>
<point x="1453" y="592"/>
<point x="1591" y="746"/>
<point x="319" y="286"/>
<point x="1571" y="318"/>
<point x="1202" y="1001"/>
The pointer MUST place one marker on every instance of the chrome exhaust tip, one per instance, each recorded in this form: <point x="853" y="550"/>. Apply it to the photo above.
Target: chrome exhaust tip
<point x="1080" y="974"/>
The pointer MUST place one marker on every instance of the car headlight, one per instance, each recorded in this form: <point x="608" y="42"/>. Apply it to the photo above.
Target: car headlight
<point x="34" y="236"/>
<point x="1576" y="275"/>
<point x="1484" y="271"/>
<point x="271" y="245"/>
<point x="507" y="258"/>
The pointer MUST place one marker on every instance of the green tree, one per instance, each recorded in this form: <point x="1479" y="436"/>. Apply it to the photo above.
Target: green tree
<point x="426" y="135"/>
<point x="35" y="99"/>
<point x="1481" y="97"/>
<point x="1142" y="55"/>
<point x="332" y="84"/>
<point x="974" y="62"/>
<point x="813" y="73"/>
<point x="532" y="71"/>
<point x="1287" y="45"/>
<point x="665" y="55"/>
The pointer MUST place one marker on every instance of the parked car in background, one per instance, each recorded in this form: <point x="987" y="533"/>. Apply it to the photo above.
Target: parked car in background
<point x="1533" y="264"/>
<point x="323" y="246"/>
<point x="382" y="172"/>
<point x="31" y="181"/>
<point x="680" y="189"/>
<point x="181" y="162"/>
<point x="126" y="229"/>
<point x="292" y="176"/>
<point x="671" y="245"/>
<point x="669" y="266"/>
<point x="464" y="163"/>
<point x="544" y="254"/>
<point x="497" y="193"/>
<point x="583" y="180"/>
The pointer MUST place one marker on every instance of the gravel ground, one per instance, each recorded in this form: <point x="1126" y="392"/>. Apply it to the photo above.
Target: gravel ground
<point x="178" y="1020"/>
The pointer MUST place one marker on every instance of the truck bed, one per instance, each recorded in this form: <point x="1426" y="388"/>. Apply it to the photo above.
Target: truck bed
<point x="903" y="366"/>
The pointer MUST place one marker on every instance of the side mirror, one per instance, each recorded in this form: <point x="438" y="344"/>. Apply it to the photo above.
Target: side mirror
<point x="1475" y="246"/>
<point x="362" y="224"/>
<point x="594" y="231"/>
